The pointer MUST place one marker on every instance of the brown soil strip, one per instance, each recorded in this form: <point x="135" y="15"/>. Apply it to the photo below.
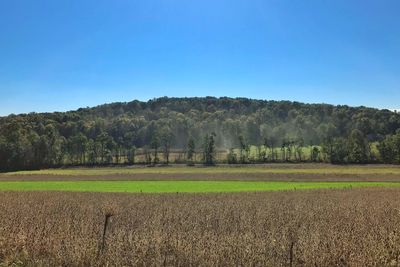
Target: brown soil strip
<point x="207" y="176"/>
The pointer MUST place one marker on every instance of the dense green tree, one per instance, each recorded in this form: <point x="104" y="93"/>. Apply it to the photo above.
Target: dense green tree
<point x="131" y="155"/>
<point x="396" y="146"/>
<point x="155" y="144"/>
<point x="77" y="148"/>
<point x="105" y="145"/>
<point x="261" y="153"/>
<point x="232" y="157"/>
<point x="315" y="154"/>
<point x="92" y="150"/>
<point x="299" y="144"/>
<point x="336" y="150"/>
<point x="39" y="140"/>
<point x="167" y="139"/>
<point x="209" y="149"/>
<point x="147" y="155"/>
<point x="389" y="148"/>
<point x="191" y="150"/>
<point x="244" y="149"/>
<point x="270" y="144"/>
<point x="358" y="147"/>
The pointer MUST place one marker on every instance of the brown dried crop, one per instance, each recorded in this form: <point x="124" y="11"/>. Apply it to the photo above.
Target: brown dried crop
<point x="349" y="227"/>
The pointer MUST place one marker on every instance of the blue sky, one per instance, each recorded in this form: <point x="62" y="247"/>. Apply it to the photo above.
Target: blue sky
<point x="62" y="55"/>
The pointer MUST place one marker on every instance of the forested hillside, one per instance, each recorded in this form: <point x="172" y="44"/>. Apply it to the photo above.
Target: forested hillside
<point x="114" y="133"/>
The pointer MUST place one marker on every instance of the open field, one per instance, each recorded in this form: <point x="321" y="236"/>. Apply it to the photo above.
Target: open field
<point x="267" y="172"/>
<point x="179" y="186"/>
<point x="346" y="227"/>
<point x="257" y="215"/>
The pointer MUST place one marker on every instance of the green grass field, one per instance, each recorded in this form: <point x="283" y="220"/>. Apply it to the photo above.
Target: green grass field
<point x="179" y="186"/>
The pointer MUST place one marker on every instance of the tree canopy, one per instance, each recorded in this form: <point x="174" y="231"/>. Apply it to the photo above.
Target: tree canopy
<point x="102" y="134"/>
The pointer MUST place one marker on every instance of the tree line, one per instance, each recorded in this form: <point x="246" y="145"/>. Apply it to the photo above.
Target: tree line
<point x="250" y="131"/>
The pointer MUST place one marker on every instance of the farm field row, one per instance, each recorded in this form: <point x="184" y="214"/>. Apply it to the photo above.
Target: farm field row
<point x="266" y="172"/>
<point x="335" y="227"/>
<point x="179" y="186"/>
<point x="247" y="169"/>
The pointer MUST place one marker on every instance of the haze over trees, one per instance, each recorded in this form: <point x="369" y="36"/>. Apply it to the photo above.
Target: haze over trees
<point x="279" y="130"/>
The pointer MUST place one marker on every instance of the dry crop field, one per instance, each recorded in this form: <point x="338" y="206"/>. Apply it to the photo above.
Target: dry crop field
<point x="261" y="172"/>
<point x="321" y="227"/>
<point x="343" y="227"/>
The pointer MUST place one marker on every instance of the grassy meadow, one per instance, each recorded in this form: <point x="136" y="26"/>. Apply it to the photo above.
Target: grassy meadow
<point x="179" y="186"/>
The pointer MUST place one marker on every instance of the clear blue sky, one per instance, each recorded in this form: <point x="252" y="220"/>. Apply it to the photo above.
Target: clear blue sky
<point x="66" y="54"/>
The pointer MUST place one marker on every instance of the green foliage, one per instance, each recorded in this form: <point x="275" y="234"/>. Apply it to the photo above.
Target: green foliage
<point x="155" y="144"/>
<point x="106" y="134"/>
<point x="105" y="144"/>
<point x="358" y="147"/>
<point x="315" y="154"/>
<point x="179" y="186"/>
<point x="336" y="150"/>
<point x="244" y="149"/>
<point x="191" y="149"/>
<point x="232" y="157"/>
<point x="389" y="148"/>
<point x="167" y="139"/>
<point x="132" y="155"/>
<point x="209" y="149"/>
